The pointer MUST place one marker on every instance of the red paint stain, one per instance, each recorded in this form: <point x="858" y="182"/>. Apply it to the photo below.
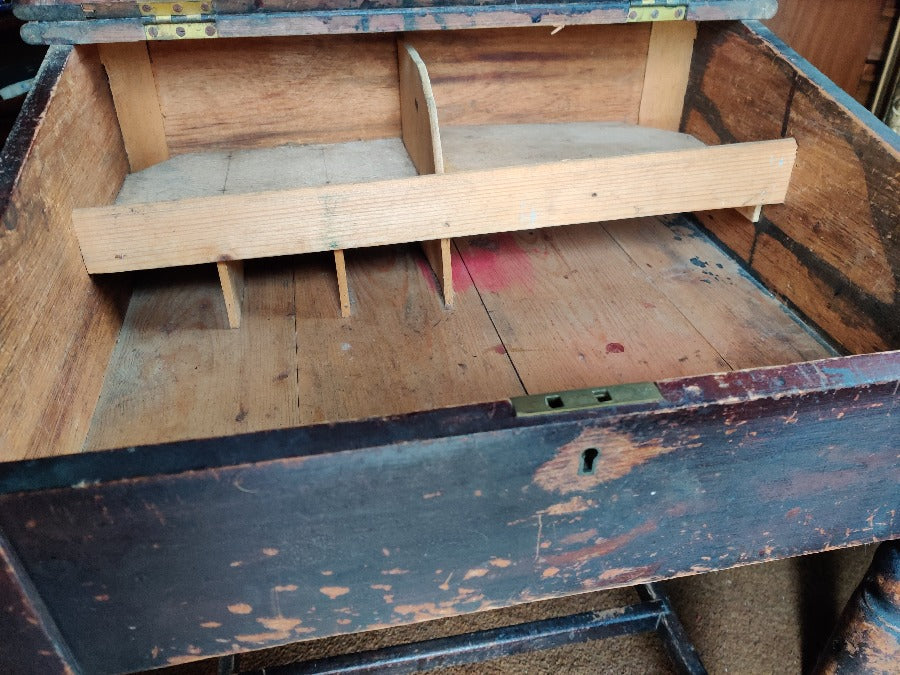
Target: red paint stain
<point x="615" y="348"/>
<point x="495" y="263"/>
<point x="500" y="349"/>
<point x="793" y="513"/>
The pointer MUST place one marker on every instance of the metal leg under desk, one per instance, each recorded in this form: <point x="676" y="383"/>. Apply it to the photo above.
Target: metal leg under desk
<point x="653" y="613"/>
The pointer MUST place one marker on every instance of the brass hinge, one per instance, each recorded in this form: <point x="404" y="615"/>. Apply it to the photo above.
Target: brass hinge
<point x="190" y="19"/>
<point x="585" y="399"/>
<point x="657" y="10"/>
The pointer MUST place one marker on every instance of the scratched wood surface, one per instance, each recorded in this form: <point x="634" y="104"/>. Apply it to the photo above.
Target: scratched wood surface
<point x="833" y="248"/>
<point x="57" y="326"/>
<point x="580" y="74"/>
<point x="536" y="311"/>
<point x="276" y="90"/>
<point x="388" y="522"/>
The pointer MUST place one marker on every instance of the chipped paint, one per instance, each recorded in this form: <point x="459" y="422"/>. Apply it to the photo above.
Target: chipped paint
<point x="270" y="552"/>
<point x="475" y="572"/>
<point x="601" y="547"/>
<point x="240" y="608"/>
<point x="210" y="624"/>
<point x="279" y="623"/>
<point x="574" y="505"/>
<point x="500" y="562"/>
<point x="620" y="452"/>
<point x="579" y="537"/>
<point x="549" y="572"/>
<point x="334" y="591"/>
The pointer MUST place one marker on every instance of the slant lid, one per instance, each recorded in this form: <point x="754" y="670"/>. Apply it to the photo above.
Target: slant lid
<point x="89" y="21"/>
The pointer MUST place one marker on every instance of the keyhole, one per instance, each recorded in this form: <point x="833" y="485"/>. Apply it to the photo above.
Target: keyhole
<point x="588" y="460"/>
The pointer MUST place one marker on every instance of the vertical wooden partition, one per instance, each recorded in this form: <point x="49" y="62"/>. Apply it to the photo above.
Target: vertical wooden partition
<point x="57" y="326"/>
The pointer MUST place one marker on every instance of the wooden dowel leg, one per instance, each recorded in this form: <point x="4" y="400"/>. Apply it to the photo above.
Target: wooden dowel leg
<point x="231" y="276"/>
<point x="438" y="254"/>
<point x="343" y="288"/>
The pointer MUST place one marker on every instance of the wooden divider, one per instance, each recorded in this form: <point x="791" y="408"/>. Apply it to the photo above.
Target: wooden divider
<point x="422" y="138"/>
<point x="433" y="207"/>
<point x="421" y="208"/>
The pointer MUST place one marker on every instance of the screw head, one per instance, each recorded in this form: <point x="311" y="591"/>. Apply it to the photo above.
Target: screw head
<point x="210" y="30"/>
<point x="654" y="14"/>
<point x="153" y="31"/>
<point x="146" y="8"/>
<point x="679" y="13"/>
<point x="632" y="14"/>
<point x="177" y="8"/>
<point x="180" y="31"/>
<point x="204" y="7"/>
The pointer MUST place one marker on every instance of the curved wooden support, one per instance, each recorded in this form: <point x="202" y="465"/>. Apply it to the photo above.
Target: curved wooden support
<point x="422" y="138"/>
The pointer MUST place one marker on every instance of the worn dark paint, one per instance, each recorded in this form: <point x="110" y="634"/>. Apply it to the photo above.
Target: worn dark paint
<point x="874" y="145"/>
<point x="867" y="637"/>
<point x="57" y="10"/>
<point x="29" y="641"/>
<point x="68" y="24"/>
<point x="487" y="512"/>
<point x="21" y="139"/>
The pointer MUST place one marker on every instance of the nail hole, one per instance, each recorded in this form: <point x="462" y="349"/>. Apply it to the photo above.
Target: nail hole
<point x="601" y="395"/>
<point x="416" y="101"/>
<point x="554" y="401"/>
<point x="588" y="458"/>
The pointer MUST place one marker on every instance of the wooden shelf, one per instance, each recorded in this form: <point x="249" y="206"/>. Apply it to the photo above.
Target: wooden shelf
<point x="428" y="185"/>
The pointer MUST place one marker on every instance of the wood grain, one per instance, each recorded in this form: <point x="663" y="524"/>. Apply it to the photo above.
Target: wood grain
<point x="58" y="327"/>
<point x="666" y="74"/>
<point x="422" y="138"/>
<point x="811" y="27"/>
<point x="133" y="89"/>
<point x="178" y="371"/>
<point x="401" y="351"/>
<point x="439" y="206"/>
<point x="418" y="112"/>
<point x="575" y="311"/>
<point x="746" y="325"/>
<point x="276" y="90"/>
<point x="340" y="268"/>
<point x="832" y="248"/>
<point x="231" y="278"/>
<point x="583" y="73"/>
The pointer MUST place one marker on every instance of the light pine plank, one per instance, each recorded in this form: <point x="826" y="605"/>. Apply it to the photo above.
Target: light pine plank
<point x="401" y="351"/>
<point x="491" y="146"/>
<point x="179" y="372"/>
<point x="418" y="112"/>
<point x="275" y="90"/>
<point x="332" y="217"/>
<point x="422" y="138"/>
<point x="573" y="311"/>
<point x="340" y="267"/>
<point x="745" y="324"/>
<point x="231" y="278"/>
<point x="580" y="74"/>
<point x="751" y="213"/>
<point x="137" y="105"/>
<point x="438" y="253"/>
<point x="57" y="325"/>
<point x="667" y="73"/>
